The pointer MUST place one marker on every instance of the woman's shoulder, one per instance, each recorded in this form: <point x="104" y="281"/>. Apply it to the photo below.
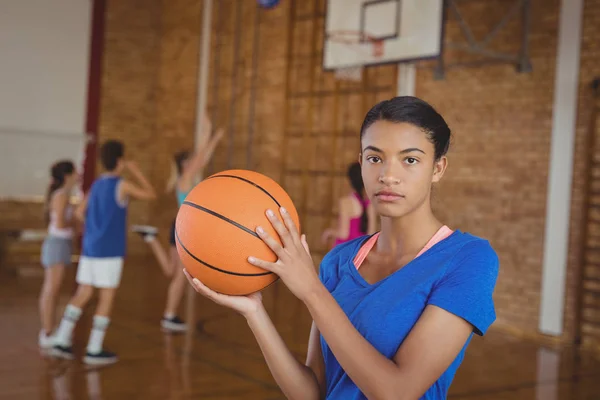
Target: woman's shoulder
<point x="183" y="185"/>
<point x="472" y="250"/>
<point x="59" y="195"/>
<point x="347" y="199"/>
<point x="351" y="204"/>
<point x="468" y="244"/>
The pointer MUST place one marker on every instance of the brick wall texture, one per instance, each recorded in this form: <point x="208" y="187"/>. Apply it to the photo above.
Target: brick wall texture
<point x="285" y="117"/>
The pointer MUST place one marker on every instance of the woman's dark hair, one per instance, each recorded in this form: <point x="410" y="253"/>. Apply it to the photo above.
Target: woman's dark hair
<point x="355" y="177"/>
<point x="179" y="159"/>
<point x="58" y="173"/>
<point x="413" y="111"/>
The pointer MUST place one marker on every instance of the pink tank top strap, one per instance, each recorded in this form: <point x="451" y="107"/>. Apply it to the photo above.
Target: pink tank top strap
<point x="364" y="250"/>
<point x="440" y="235"/>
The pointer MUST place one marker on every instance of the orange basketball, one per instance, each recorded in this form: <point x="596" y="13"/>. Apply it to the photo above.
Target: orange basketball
<point x="215" y="230"/>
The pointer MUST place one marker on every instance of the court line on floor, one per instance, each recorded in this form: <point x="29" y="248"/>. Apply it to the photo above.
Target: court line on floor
<point x="193" y="356"/>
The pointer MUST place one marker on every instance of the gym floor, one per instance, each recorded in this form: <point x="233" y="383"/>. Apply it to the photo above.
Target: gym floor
<point x="219" y="359"/>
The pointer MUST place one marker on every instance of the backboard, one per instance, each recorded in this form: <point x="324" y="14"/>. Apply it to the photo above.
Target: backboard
<point x="371" y="32"/>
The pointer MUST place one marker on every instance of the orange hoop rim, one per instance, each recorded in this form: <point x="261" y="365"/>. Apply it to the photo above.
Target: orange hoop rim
<point x="349" y="37"/>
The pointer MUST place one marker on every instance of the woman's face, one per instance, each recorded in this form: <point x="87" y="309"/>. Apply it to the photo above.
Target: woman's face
<point x="398" y="167"/>
<point x="72" y="179"/>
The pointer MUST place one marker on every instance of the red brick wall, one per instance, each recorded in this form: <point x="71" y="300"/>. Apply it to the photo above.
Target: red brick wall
<point x="129" y="91"/>
<point x="502" y="122"/>
<point x="496" y="182"/>
<point x="175" y="113"/>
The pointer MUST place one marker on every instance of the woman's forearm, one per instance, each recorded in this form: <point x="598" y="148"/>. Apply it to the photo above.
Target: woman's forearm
<point x="296" y="380"/>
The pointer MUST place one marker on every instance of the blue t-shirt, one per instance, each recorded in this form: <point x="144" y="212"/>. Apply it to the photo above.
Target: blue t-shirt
<point x="105" y="231"/>
<point x="458" y="274"/>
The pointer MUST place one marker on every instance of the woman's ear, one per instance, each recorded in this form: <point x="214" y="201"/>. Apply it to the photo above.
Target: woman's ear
<point x="439" y="167"/>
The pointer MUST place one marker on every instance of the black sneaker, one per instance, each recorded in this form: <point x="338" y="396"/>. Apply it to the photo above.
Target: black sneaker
<point x="174" y="324"/>
<point x="102" y="358"/>
<point x="148" y="233"/>
<point x="64" y="352"/>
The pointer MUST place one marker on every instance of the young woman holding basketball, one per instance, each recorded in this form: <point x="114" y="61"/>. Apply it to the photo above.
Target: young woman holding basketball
<point x="57" y="247"/>
<point x="356" y="216"/>
<point x="188" y="166"/>
<point x="392" y="312"/>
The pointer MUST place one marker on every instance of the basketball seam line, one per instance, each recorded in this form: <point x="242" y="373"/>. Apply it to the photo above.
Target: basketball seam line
<point x="212" y="266"/>
<point x="224" y="218"/>
<point x="250" y="182"/>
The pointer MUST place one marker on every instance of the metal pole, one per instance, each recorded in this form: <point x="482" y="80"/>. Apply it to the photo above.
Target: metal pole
<point x="234" y="80"/>
<point x="524" y="63"/>
<point x="251" y="114"/>
<point x="200" y="110"/>
<point x="216" y="75"/>
<point x="439" y="70"/>
<point x="203" y="66"/>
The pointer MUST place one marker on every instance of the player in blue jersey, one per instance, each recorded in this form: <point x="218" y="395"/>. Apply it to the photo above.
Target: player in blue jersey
<point x="392" y="312"/>
<point x="104" y="213"/>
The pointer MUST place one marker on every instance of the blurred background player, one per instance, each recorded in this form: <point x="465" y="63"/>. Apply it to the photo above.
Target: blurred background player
<point x="57" y="247"/>
<point x="104" y="212"/>
<point x="356" y="216"/>
<point x="188" y="168"/>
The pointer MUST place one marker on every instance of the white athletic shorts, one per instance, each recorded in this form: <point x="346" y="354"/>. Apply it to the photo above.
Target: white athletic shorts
<point x="100" y="272"/>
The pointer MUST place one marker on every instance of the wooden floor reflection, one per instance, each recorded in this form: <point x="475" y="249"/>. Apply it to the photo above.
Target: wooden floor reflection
<point x="219" y="359"/>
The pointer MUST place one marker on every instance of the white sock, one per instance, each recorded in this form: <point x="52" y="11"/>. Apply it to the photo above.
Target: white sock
<point x="65" y="329"/>
<point x="169" y="315"/>
<point x="97" y="335"/>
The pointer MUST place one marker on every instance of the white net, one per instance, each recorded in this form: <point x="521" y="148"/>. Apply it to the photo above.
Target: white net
<point x="353" y="74"/>
<point x="362" y="46"/>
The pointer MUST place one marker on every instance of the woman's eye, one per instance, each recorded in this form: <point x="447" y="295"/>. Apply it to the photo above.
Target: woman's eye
<point x="411" y="161"/>
<point x="373" y="159"/>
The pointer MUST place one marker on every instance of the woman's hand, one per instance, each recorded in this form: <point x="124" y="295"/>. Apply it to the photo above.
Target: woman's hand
<point x="245" y="305"/>
<point x="294" y="265"/>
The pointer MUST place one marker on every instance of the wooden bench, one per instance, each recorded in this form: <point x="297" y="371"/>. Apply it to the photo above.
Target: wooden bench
<point x="20" y="251"/>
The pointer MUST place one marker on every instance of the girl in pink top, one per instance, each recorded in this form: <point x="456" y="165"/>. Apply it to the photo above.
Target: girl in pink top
<point x="356" y="215"/>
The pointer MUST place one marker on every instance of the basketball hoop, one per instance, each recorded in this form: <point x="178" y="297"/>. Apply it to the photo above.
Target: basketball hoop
<point x="377" y="48"/>
<point x="366" y="46"/>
